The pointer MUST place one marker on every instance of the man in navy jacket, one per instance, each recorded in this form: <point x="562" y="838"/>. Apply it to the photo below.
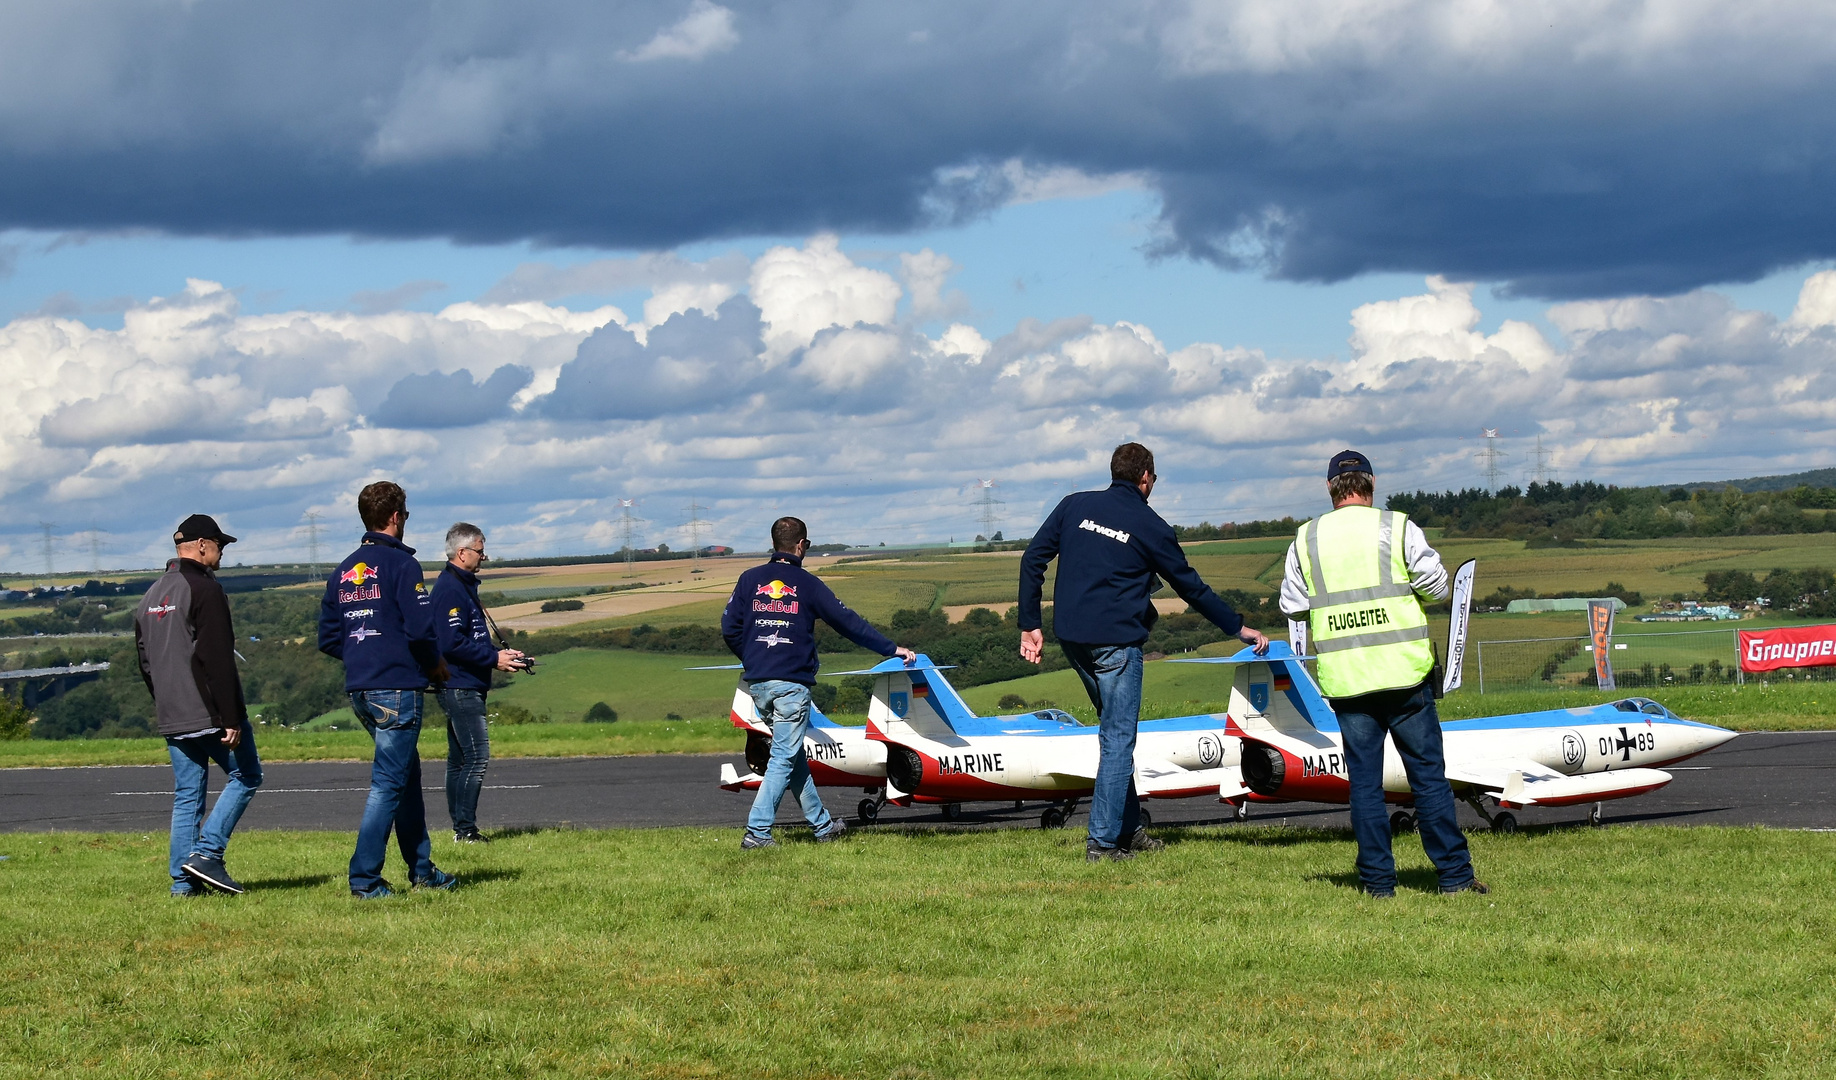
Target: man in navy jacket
<point x="770" y="624"/>
<point x="378" y="619"/>
<point x="1110" y="548"/>
<point x="465" y="643"/>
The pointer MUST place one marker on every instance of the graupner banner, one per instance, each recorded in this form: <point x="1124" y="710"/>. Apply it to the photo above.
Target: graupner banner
<point x="1787" y="647"/>
<point x="1600" y="627"/>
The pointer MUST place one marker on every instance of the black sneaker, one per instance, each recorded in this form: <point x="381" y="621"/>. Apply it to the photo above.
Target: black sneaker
<point x="1378" y="894"/>
<point x="1474" y="885"/>
<point x="1142" y="842"/>
<point x="439" y="879"/>
<point x="473" y="837"/>
<point x="753" y="843"/>
<point x="211" y="872"/>
<point x="378" y="891"/>
<point x="835" y="831"/>
<point x="1095" y="852"/>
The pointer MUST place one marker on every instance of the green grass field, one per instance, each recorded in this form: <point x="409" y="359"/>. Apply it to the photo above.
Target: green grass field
<point x="1237" y="952"/>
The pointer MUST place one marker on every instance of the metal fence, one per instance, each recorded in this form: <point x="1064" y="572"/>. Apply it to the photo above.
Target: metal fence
<point x="1640" y="662"/>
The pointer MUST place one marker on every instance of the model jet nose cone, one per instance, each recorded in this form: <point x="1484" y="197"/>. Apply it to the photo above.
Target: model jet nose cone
<point x="1697" y="738"/>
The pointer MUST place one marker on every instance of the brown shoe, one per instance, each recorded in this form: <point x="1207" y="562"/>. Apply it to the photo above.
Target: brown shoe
<point x="1474" y="885"/>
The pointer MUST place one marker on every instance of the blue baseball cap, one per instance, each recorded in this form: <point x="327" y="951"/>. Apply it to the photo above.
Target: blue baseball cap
<point x="1348" y="461"/>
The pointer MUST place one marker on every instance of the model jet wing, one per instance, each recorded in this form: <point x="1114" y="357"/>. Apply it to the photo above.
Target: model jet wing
<point x="1164" y="780"/>
<point x="1522" y="783"/>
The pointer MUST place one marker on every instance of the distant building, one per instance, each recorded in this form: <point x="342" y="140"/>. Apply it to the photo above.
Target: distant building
<point x="1564" y="603"/>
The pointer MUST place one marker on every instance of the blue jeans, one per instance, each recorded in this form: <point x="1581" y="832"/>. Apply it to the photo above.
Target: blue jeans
<point x="191" y="833"/>
<point x="1410" y="719"/>
<point x="393" y="719"/>
<point x="1112" y="678"/>
<point x="468" y="755"/>
<point x="786" y="707"/>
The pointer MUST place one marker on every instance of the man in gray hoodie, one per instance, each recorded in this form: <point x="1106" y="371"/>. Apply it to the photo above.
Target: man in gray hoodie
<point x="187" y="650"/>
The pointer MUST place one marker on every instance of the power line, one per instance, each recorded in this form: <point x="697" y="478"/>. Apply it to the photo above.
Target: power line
<point x="991" y="508"/>
<point x="695" y="525"/>
<point x="312" y="541"/>
<point x="50" y="571"/>
<point x="1489" y="456"/>
<point x="627" y="529"/>
<point x="1543" y="473"/>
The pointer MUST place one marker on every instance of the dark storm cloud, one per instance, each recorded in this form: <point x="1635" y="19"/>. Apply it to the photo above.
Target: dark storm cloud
<point x="691" y="362"/>
<point x="435" y="400"/>
<point x="1572" y="148"/>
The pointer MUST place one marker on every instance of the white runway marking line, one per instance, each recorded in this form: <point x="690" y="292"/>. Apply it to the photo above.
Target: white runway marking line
<point x="320" y="790"/>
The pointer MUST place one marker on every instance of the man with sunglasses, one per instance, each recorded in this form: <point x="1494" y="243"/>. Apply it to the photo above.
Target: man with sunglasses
<point x="187" y="649"/>
<point x="465" y="643"/>
<point x="378" y="618"/>
<point x="1111" y="548"/>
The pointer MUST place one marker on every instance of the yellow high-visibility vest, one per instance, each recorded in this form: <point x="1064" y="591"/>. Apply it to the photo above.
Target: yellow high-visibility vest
<point x="1368" y="629"/>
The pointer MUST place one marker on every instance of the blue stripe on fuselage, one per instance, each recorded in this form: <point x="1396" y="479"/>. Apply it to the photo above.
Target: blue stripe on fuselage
<point x="1553" y="718"/>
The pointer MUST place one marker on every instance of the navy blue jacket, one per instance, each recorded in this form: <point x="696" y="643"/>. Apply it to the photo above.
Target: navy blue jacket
<point x="459" y="624"/>
<point x="1110" y="546"/>
<point x="377" y="617"/>
<point x="770" y="623"/>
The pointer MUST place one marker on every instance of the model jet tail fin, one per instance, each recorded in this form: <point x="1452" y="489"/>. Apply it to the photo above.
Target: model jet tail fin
<point x="913" y="701"/>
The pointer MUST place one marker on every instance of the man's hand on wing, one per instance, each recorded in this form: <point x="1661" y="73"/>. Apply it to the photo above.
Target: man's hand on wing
<point x="1255" y="639"/>
<point x="905" y="654"/>
<point x="1032" y="644"/>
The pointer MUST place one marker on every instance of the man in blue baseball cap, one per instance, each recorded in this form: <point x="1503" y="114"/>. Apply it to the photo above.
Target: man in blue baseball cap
<point x="1358" y="575"/>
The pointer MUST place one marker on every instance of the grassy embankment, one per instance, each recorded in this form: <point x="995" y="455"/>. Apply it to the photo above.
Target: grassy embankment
<point x="1239" y="951"/>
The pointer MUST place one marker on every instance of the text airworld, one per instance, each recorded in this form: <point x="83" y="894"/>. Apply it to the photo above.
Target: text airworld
<point x="954" y="764"/>
<point x="1103" y="530"/>
<point x="1357" y="620"/>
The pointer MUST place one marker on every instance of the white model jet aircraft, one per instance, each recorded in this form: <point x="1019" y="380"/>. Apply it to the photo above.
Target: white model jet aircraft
<point x="935" y="753"/>
<point x="844" y="756"/>
<point x="1292" y="750"/>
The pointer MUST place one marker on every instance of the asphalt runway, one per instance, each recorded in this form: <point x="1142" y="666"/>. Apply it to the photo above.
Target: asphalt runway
<point x="1777" y="779"/>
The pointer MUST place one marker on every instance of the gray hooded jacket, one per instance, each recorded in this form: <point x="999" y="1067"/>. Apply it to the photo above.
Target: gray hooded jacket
<point x="187" y="650"/>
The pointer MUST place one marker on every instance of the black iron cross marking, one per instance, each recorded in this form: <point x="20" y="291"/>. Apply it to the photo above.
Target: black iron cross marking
<point x="1626" y="744"/>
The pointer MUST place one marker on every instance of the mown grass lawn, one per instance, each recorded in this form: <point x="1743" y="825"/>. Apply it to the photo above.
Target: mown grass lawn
<point x="1237" y="952"/>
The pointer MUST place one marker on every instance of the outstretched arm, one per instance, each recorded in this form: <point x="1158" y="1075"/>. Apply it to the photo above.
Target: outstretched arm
<point x="1170" y="563"/>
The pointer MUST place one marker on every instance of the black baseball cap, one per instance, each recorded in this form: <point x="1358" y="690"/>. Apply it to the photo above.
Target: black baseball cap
<point x="201" y="527"/>
<point x="1348" y="461"/>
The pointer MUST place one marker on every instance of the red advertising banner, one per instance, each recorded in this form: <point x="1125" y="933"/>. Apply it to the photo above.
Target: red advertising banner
<point x="1787" y="647"/>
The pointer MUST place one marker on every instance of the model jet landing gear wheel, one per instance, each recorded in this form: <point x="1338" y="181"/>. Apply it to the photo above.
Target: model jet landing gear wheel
<point x="1402" y="823"/>
<point x="1146" y="818"/>
<point x="1240" y="809"/>
<point x="952" y="811"/>
<point x="868" y="812"/>
<point x="1594" y="816"/>
<point x="1504" y="823"/>
<point x="1053" y="818"/>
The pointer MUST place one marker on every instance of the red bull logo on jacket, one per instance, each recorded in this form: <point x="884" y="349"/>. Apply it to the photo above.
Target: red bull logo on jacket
<point x="777" y="590"/>
<point x="358" y="574"/>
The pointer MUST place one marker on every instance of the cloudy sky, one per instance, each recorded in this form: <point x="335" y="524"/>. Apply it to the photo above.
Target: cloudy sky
<point x="846" y="260"/>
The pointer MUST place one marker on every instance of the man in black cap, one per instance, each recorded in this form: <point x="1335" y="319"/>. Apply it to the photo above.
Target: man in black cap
<point x="1358" y="576"/>
<point x="187" y="650"/>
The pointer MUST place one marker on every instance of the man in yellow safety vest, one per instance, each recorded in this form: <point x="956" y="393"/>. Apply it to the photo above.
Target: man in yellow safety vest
<point x="1357" y="576"/>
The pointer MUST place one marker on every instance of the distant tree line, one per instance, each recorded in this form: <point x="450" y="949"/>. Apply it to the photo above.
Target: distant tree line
<point x="1567" y="513"/>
